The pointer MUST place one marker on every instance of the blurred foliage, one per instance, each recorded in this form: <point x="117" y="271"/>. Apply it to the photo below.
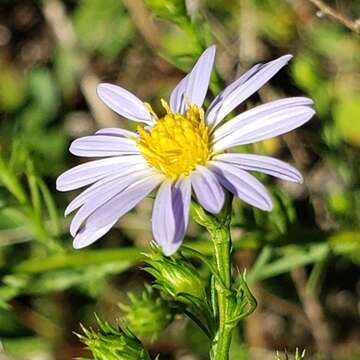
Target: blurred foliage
<point x="47" y="99"/>
<point x="103" y="27"/>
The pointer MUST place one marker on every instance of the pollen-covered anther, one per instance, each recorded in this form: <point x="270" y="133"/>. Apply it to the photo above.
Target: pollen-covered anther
<point x="177" y="143"/>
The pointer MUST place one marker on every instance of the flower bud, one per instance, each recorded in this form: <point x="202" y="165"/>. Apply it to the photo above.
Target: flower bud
<point x="113" y="344"/>
<point x="176" y="277"/>
<point x="147" y="315"/>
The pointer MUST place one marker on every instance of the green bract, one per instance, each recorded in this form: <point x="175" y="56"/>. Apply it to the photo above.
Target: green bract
<point x="176" y="277"/>
<point x="147" y="315"/>
<point x="113" y="344"/>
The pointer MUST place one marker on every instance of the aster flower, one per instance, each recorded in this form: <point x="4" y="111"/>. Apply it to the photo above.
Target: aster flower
<point x="182" y="153"/>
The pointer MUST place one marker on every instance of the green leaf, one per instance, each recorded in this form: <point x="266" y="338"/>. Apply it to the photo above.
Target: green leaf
<point x="346" y="243"/>
<point x="34" y="190"/>
<point x="51" y="207"/>
<point x="291" y="257"/>
<point x="78" y="259"/>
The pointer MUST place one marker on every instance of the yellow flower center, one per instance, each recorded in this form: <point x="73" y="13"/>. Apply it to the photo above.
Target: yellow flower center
<point x="177" y="143"/>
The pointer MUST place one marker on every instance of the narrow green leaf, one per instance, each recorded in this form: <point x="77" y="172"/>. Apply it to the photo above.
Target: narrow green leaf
<point x="50" y="205"/>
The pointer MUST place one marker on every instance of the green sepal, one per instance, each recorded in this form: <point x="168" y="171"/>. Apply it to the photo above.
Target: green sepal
<point x="210" y="221"/>
<point x="179" y="281"/>
<point x="110" y="343"/>
<point x="176" y="277"/>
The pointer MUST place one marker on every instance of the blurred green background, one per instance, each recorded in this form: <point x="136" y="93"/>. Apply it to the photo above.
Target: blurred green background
<point x="302" y="259"/>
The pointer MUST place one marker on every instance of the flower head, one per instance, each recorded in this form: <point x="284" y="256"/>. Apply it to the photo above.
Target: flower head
<point x="177" y="143"/>
<point x="184" y="152"/>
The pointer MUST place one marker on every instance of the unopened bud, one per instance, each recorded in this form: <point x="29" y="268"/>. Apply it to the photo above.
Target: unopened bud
<point x="176" y="277"/>
<point x="147" y="315"/>
<point x="110" y="343"/>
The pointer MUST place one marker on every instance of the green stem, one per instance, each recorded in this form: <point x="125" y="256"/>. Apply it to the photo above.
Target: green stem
<point x="219" y="228"/>
<point x="222" y="246"/>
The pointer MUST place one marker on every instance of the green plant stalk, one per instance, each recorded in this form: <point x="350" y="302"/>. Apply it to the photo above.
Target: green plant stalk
<point x="222" y="245"/>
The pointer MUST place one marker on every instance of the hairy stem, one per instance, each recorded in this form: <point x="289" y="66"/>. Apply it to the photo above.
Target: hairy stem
<point x="222" y="246"/>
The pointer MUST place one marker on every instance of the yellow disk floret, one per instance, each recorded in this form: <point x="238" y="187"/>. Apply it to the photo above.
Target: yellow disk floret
<point x="177" y="143"/>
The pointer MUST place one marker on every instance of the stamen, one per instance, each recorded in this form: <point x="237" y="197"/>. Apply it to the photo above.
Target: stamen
<point x="177" y="143"/>
<point x="151" y="110"/>
<point x="165" y="105"/>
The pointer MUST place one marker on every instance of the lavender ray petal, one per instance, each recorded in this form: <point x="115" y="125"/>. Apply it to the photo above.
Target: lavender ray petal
<point x="264" y="164"/>
<point x="122" y="203"/>
<point x="265" y="126"/>
<point x="97" y="188"/>
<point x="104" y="194"/>
<point x="259" y="112"/>
<point x="209" y="192"/>
<point x="198" y="81"/>
<point x="103" y="145"/>
<point x="212" y="111"/>
<point x="117" y="132"/>
<point x="171" y="215"/>
<point x="245" y="89"/>
<point x="86" y="237"/>
<point x="242" y="184"/>
<point x="93" y="171"/>
<point x="124" y="103"/>
<point x="177" y="102"/>
<point x="163" y="220"/>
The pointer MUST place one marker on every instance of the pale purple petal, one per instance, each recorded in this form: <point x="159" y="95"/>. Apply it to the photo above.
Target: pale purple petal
<point x="258" y="76"/>
<point x="86" y="237"/>
<point x="259" y="112"/>
<point x="103" y="145"/>
<point x="264" y="164"/>
<point x="163" y="219"/>
<point x="198" y="79"/>
<point x="212" y="112"/>
<point x="209" y="192"/>
<point x="90" y="172"/>
<point x="242" y="184"/>
<point x="117" y="132"/>
<point x="103" y="194"/>
<point x="261" y="123"/>
<point x="177" y="103"/>
<point x="181" y="195"/>
<point x="97" y="188"/>
<point x="122" y="203"/>
<point x="171" y="214"/>
<point x="124" y="103"/>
